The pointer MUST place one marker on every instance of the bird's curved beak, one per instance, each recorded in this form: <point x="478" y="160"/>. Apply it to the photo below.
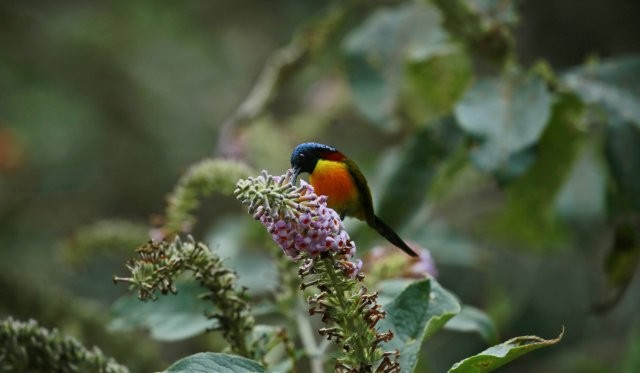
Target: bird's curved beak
<point x="296" y="173"/>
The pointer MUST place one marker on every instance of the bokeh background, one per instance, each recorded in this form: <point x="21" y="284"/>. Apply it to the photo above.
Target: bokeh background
<point x="103" y="105"/>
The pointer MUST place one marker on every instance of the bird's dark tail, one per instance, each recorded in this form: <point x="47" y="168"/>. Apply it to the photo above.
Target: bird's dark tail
<point x="392" y="236"/>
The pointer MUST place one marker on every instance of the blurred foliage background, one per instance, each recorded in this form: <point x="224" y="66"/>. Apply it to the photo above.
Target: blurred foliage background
<point x="503" y="136"/>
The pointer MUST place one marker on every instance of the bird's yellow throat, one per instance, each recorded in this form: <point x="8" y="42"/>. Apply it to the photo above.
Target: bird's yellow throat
<point x="332" y="178"/>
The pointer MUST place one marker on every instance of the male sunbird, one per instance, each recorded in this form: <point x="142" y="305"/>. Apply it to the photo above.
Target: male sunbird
<point x="334" y="175"/>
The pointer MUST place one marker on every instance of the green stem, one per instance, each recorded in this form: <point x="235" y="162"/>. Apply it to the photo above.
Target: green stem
<point x="361" y="337"/>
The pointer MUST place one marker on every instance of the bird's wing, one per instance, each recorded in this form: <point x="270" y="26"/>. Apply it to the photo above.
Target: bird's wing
<point x="363" y="189"/>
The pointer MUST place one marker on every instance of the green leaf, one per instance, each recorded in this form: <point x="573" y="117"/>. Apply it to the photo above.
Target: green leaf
<point x="389" y="290"/>
<point x="443" y="305"/>
<point x="169" y="318"/>
<point x="508" y="114"/>
<point x="499" y="355"/>
<point x="206" y="362"/>
<point x="420" y="310"/>
<point x="432" y="86"/>
<point x="582" y="197"/>
<point x="374" y="96"/>
<point x="614" y="83"/>
<point x="527" y="217"/>
<point x="376" y="52"/>
<point x="471" y="319"/>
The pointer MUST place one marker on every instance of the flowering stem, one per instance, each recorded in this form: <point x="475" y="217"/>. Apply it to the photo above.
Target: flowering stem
<point x="313" y="235"/>
<point x="160" y="263"/>
<point x="359" y="343"/>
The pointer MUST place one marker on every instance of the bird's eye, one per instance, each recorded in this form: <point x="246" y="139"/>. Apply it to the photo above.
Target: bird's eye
<point x="301" y="156"/>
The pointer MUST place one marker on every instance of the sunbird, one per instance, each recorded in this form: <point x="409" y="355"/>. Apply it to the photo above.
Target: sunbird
<point x="334" y="175"/>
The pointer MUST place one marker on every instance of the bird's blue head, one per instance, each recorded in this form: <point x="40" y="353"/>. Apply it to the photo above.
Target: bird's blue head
<point x="305" y="157"/>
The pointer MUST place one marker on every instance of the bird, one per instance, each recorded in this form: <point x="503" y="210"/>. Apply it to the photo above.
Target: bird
<point x="336" y="176"/>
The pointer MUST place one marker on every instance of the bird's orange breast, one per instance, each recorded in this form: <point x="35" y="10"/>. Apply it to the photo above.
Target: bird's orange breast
<point x="333" y="179"/>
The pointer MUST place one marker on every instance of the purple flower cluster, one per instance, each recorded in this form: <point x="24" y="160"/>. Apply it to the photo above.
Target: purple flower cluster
<point x="313" y="232"/>
<point x="317" y="230"/>
<point x="298" y="220"/>
<point x="424" y="265"/>
<point x="393" y="263"/>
